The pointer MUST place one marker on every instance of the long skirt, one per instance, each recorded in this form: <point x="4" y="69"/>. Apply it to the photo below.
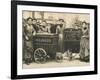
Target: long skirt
<point x="28" y="50"/>
<point x="60" y="43"/>
<point x="84" y="48"/>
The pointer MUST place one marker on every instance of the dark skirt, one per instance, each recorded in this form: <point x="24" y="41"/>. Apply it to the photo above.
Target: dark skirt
<point x="84" y="48"/>
<point x="28" y="50"/>
<point x="60" y="43"/>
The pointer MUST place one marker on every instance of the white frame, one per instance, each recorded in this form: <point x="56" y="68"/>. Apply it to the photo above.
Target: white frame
<point x="21" y="71"/>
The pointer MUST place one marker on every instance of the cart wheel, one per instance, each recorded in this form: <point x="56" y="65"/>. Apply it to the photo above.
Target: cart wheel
<point x="40" y="55"/>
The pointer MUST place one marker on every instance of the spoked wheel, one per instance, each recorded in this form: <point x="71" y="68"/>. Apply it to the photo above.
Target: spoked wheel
<point x="40" y="55"/>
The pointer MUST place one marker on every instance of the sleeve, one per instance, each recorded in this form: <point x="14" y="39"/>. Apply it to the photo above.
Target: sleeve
<point x="24" y="31"/>
<point x="57" y="30"/>
<point x="34" y="32"/>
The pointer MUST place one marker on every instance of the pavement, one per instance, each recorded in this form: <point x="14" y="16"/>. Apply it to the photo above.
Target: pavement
<point x="53" y="63"/>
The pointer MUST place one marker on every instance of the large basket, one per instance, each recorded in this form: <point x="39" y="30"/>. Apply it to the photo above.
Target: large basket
<point x="72" y="39"/>
<point x="49" y="42"/>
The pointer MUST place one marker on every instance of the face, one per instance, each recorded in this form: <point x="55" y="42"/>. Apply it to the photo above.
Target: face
<point x="85" y="28"/>
<point x="58" y="22"/>
<point x="34" y="21"/>
<point x="44" y="23"/>
<point x="30" y="21"/>
<point x="84" y="25"/>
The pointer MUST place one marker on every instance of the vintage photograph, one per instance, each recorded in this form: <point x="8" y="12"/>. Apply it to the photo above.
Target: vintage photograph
<point x="55" y="39"/>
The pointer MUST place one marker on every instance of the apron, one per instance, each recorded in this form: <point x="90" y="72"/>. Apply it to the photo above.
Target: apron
<point x="84" y="46"/>
<point x="60" y="41"/>
<point x="29" y="43"/>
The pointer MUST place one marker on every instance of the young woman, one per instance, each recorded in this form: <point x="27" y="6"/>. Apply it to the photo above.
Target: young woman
<point x="29" y="32"/>
<point x="84" y="43"/>
<point x="59" y="30"/>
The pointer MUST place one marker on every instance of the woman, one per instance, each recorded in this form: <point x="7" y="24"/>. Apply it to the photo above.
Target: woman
<point x="84" y="43"/>
<point x="29" y="32"/>
<point x="59" y="30"/>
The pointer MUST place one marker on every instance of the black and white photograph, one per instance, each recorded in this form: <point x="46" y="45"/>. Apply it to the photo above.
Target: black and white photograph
<point x="53" y="39"/>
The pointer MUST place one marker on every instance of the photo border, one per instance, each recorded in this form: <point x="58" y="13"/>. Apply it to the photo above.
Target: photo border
<point x="14" y="39"/>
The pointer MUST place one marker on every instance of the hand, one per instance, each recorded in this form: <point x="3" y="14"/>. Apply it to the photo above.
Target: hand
<point x="34" y="33"/>
<point x="26" y="37"/>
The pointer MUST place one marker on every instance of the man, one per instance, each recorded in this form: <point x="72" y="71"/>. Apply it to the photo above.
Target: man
<point x="84" y="43"/>
<point x="35" y="25"/>
<point x="43" y="27"/>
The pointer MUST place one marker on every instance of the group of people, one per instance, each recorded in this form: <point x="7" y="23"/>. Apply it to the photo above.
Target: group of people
<point x="43" y="26"/>
<point x="32" y="26"/>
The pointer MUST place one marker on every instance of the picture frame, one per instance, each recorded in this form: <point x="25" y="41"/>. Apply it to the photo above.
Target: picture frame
<point x="16" y="18"/>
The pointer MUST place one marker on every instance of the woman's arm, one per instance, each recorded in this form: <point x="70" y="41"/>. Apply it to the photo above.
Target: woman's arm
<point x="57" y="30"/>
<point x="25" y="33"/>
<point x="34" y="32"/>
